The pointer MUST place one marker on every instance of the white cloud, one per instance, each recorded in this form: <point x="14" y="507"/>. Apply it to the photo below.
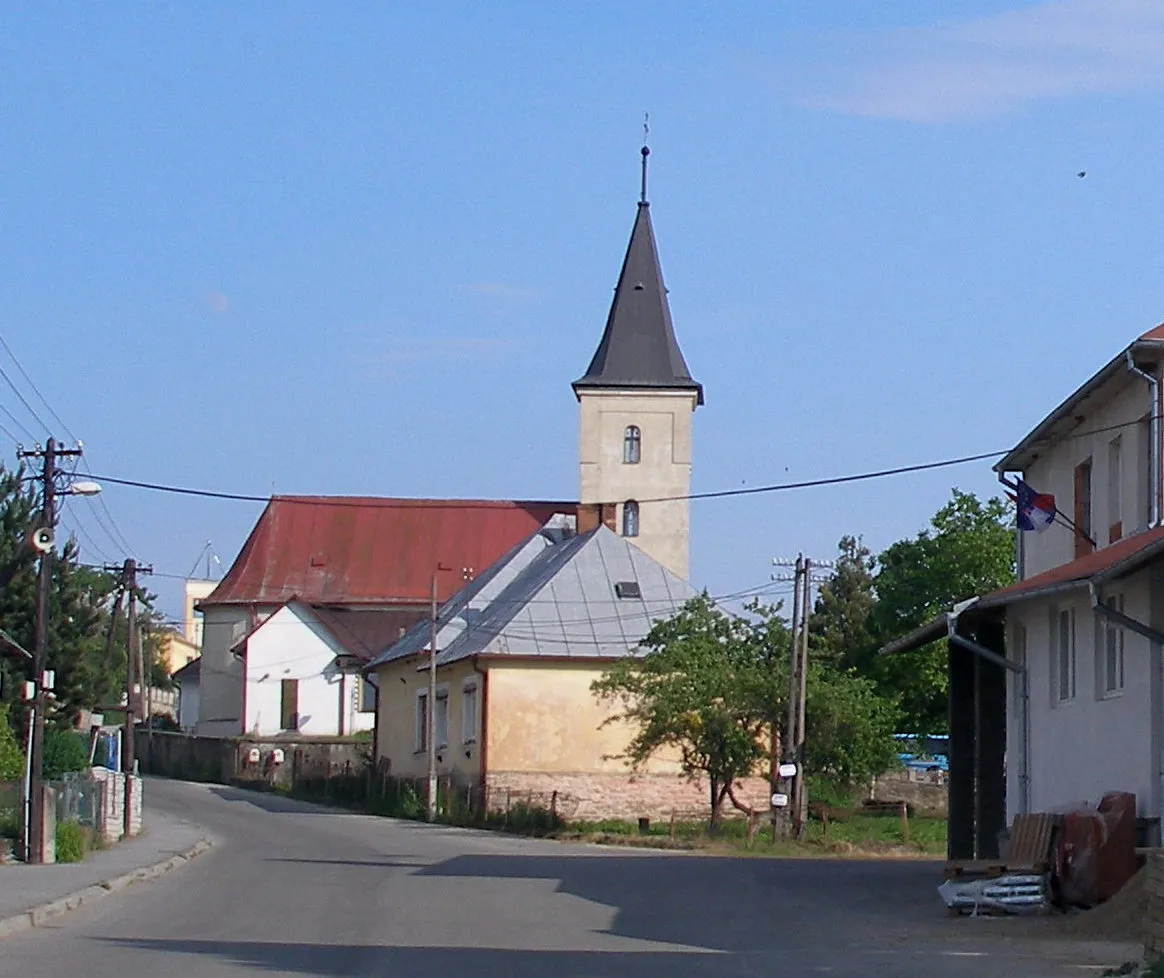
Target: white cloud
<point x="992" y="65"/>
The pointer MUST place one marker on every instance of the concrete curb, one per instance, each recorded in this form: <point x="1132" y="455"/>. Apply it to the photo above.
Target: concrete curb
<point x="41" y="915"/>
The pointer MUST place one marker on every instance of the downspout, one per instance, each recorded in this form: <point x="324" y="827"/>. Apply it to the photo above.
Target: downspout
<point x="1153" y="442"/>
<point x="483" y="742"/>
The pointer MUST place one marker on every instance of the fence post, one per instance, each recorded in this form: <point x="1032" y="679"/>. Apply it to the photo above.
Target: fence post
<point x="905" y="823"/>
<point x="508" y="798"/>
<point x="672" y="829"/>
<point x="554" y="805"/>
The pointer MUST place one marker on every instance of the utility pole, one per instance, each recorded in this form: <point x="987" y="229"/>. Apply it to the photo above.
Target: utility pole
<point x="34" y="838"/>
<point x="430" y="719"/>
<point x="134" y="677"/>
<point x="801" y="793"/>
<point x="792" y="816"/>
<point x="781" y="785"/>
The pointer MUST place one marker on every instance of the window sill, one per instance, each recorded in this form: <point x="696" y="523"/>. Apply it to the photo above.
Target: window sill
<point x="1111" y="694"/>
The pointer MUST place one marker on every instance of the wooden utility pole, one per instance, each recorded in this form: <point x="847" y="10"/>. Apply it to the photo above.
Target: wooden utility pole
<point x="44" y="542"/>
<point x="135" y="679"/>
<point x="800" y="800"/>
<point x="782" y="786"/>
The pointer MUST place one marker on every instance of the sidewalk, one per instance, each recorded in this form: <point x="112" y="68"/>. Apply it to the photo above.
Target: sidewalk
<point x="30" y="895"/>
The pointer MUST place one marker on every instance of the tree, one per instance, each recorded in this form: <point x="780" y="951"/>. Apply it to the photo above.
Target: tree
<point x="968" y="550"/>
<point x="76" y="649"/>
<point x="850" y="727"/>
<point x="696" y="690"/>
<point x="841" y="626"/>
<point x="714" y="687"/>
<point x="11" y="756"/>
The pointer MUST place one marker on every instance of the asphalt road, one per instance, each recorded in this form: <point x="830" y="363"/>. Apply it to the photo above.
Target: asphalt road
<point x="293" y="890"/>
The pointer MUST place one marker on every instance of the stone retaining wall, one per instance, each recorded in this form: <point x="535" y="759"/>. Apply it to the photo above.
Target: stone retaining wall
<point x="926" y="793"/>
<point x="582" y="796"/>
<point x="1154" y="906"/>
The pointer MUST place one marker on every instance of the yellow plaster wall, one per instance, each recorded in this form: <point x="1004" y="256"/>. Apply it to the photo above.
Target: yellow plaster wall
<point x="396" y="721"/>
<point x="543" y="717"/>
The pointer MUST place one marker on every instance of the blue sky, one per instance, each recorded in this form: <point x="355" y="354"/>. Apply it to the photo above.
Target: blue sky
<point x="364" y="248"/>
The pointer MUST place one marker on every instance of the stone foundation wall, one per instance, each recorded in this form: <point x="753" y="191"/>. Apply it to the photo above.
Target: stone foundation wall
<point x="1154" y="907"/>
<point x="925" y="792"/>
<point x="584" y="796"/>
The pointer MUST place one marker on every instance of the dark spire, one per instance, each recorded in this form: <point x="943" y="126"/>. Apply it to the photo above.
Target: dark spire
<point x="638" y="347"/>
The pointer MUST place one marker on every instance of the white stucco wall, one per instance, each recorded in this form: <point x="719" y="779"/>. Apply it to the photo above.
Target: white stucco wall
<point x="188" y="705"/>
<point x="1127" y="399"/>
<point x="664" y="419"/>
<point x="292" y="645"/>
<point x="221" y="682"/>
<point x="1094" y="742"/>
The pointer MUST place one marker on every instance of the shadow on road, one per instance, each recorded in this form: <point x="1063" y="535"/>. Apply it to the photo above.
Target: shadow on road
<point x="407" y="962"/>
<point x="275" y="804"/>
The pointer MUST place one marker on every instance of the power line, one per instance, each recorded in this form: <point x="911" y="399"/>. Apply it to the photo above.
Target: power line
<point x="36" y="390"/>
<point x="16" y="421"/>
<point x="719" y="494"/>
<point x="24" y="401"/>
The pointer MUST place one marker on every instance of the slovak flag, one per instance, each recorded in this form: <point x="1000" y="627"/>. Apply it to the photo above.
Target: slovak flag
<point x="1036" y="510"/>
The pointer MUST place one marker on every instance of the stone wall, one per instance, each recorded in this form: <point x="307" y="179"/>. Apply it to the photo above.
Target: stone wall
<point x="594" y="797"/>
<point x="1154" y="906"/>
<point x="925" y="792"/>
<point x="110" y="814"/>
<point x="253" y="762"/>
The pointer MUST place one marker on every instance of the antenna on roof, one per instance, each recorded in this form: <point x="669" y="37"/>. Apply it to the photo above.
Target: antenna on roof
<point x="646" y="151"/>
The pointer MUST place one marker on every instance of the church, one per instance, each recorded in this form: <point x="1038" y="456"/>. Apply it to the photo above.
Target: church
<point x="536" y="597"/>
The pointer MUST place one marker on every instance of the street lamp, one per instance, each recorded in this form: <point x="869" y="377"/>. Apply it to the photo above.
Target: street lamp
<point x="53" y="483"/>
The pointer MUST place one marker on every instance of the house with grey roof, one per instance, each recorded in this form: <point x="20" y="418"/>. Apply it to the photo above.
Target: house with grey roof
<point x="516" y="651"/>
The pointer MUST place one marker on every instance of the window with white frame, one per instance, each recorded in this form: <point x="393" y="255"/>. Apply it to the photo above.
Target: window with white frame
<point x="630" y="518"/>
<point x="469" y="711"/>
<point x="442" y="717"/>
<point x="367" y="696"/>
<point x="421" y="735"/>
<point x="1113" y="650"/>
<point x="632" y="445"/>
<point x="1063" y="657"/>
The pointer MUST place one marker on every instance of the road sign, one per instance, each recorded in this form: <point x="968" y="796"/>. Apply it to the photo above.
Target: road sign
<point x="779" y="800"/>
<point x="787" y="770"/>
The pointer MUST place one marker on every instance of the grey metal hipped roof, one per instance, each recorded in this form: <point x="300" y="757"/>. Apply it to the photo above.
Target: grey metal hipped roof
<point x="553" y="596"/>
<point x="638" y="348"/>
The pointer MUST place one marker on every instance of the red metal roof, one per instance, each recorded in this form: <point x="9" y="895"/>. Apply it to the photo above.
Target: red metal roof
<point x="342" y="550"/>
<point x="365" y="633"/>
<point x="1079" y="570"/>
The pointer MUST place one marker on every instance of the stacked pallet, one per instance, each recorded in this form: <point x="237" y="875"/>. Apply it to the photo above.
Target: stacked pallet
<point x="1016" y="883"/>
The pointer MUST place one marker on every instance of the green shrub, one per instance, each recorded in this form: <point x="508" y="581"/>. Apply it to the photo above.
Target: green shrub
<point x="11" y="756"/>
<point x="71" y="842"/>
<point x="9" y="823"/>
<point x="64" y="751"/>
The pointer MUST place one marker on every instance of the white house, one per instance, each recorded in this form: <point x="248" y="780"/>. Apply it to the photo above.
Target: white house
<point x="187" y="679"/>
<point x="1056" y="683"/>
<point x="302" y="671"/>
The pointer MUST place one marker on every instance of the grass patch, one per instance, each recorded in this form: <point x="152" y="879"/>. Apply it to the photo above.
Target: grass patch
<point x="852" y="835"/>
<point x="72" y="842"/>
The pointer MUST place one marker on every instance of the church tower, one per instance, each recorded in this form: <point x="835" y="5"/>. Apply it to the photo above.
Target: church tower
<point x="635" y="404"/>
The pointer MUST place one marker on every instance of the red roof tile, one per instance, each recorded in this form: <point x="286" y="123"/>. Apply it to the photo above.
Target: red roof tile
<point x="1078" y="570"/>
<point x="1155" y="333"/>
<point x="366" y="550"/>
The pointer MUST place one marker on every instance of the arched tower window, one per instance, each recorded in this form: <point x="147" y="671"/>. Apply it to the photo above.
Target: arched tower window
<point x="632" y="445"/>
<point x="630" y="518"/>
